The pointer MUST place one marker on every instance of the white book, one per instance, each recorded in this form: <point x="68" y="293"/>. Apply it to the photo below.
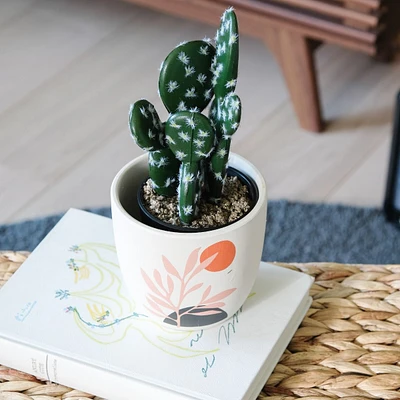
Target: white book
<point x="66" y="316"/>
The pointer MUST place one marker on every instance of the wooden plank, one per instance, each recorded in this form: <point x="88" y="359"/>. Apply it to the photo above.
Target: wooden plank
<point x="326" y="9"/>
<point x="368" y="4"/>
<point x="366" y="184"/>
<point x="11" y="10"/>
<point x="89" y="180"/>
<point x="87" y="100"/>
<point x="33" y="55"/>
<point x="18" y="186"/>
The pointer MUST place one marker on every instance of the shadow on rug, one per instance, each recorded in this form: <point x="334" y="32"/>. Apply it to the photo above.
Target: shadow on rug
<point x="296" y="232"/>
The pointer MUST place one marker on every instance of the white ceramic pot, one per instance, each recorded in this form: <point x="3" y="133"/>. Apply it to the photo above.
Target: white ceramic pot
<point x="186" y="280"/>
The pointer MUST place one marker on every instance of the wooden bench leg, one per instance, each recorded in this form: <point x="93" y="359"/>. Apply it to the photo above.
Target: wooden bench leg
<point x="295" y="56"/>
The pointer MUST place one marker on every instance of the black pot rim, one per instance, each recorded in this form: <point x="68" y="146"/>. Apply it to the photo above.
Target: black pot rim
<point x="149" y="219"/>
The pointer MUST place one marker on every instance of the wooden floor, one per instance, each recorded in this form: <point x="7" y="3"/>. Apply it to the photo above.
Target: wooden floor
<point x="69" y="70"/>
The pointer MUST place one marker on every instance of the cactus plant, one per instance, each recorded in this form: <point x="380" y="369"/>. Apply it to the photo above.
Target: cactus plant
<point x="190" y="136"/>
<point x="148" y="132"/>
<point x="190" y="76"/>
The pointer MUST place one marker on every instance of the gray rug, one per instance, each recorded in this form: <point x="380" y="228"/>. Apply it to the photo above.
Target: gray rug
<point x="295" y="232"/>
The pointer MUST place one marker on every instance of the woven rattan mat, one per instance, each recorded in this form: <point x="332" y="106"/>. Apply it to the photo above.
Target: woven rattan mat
<point x="347" y="347"/>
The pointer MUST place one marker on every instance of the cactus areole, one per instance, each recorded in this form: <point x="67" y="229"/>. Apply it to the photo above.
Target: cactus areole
<point x="188" y="154"/>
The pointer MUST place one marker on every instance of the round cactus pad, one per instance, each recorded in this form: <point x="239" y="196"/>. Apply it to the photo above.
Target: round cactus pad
<point x="225" y="113"/>
<point x="189" y="135"/>
<point x="145" y="125"/>
<point x="185" y="81"/>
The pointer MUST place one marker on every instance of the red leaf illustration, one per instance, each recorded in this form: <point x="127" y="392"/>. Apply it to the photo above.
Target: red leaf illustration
<point x="170" y="283"/>
<point x="221" y="295"/>
<point x="160" y="302"/>
<point x="205" y="294"/>
<point x="213" y="305"/>
<point x="158" y="279"/>
<point x="154" y="305"/>
<point x="191" y="261"/>
<point x="206" y="312"/>
<point x="203" y="265"/>
<point x="170" y="268"/>
<point x="149" y="282"/>
<point x="193" y="288"/>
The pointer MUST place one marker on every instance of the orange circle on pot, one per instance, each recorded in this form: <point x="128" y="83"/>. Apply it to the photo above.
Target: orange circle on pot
<point x="225" y="251"/>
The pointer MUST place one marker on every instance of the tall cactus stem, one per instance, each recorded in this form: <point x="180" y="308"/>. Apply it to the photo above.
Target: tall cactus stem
<point x="188" y="191"/>
<point x="190" y="136"/>
<point x="225" y="115"/>
<point x="217" y="170"/>
<point x="226" y="61"/>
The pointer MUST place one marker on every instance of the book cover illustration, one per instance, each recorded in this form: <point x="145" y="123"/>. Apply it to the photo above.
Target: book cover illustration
<point x="102" y="310"/>
<point x="69" y="300"/>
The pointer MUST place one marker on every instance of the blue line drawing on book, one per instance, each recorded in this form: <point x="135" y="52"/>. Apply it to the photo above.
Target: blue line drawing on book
<point x="231" y="325"/>
<point x="197" y="338"/>
<point x="100" y="318"/>
<point x="25" y="311"/>
<point x="102" y="311"/>
<point x="208" y="365"/>
<point x="62" y="294"/>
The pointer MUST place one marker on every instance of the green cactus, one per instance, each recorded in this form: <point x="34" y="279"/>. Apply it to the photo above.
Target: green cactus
<point x="185" y="77"/>
<point x="225" y="115"/>
<point x="190" y="136"/>
<point x="148" y="133"/>
<point x="226" y="61"/>
<point x="190" y="142"/>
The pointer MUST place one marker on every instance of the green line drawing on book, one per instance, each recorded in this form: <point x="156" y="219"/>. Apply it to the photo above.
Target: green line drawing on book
<point x="105" y="315"/>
